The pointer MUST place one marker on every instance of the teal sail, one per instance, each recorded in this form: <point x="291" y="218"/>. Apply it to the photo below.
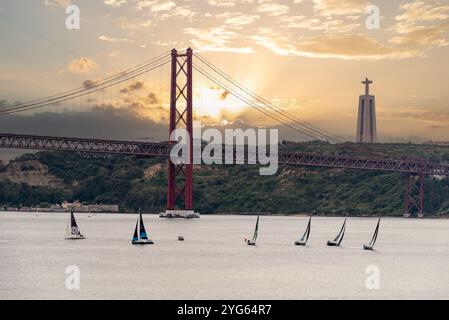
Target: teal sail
<point x="306" y="234"/>
<point x="143" y="233"/>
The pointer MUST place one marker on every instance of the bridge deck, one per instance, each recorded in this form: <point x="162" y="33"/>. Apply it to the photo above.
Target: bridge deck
<point x="154" y="149"/>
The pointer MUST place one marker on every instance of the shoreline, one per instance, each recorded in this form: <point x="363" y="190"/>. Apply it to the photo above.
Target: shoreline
<point x="443" y="217"/>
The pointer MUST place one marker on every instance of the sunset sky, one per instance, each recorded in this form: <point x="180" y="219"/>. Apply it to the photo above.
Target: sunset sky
<point x="306" y="56"/>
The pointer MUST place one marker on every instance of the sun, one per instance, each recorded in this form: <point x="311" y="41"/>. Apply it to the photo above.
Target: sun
<point x="214" y="102"/>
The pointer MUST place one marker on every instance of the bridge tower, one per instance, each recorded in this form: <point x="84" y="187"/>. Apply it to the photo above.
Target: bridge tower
<point x="414" y="195"/>
<point x="180" y="182"/>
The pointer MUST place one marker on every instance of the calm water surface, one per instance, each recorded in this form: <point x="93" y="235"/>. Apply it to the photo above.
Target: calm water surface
<point x="214" y="262"/>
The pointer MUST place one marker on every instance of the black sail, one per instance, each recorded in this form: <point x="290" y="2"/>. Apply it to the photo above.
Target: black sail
<point x="74" y="230"/>
<point x="374" y="239"/>
<point x="136" y="235"/>
<point x="306" y="234"/>
<point x="341" y="234"/>
<point x="143" y="233"/>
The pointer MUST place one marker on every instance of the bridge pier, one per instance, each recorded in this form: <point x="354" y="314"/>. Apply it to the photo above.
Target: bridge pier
<point x="414" y="195"/>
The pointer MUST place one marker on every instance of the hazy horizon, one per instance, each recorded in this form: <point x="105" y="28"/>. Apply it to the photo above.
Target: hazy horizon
<point x="306" y="56"/>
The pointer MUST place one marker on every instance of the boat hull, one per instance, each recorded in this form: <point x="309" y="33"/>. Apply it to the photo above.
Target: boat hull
<point x="179" y="214"/>
<point x="142" y="242"/>
<point x="75" y="238"/>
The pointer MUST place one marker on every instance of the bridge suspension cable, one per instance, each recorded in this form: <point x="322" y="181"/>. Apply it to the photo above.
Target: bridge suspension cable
<point x="90" y="87"/>
<point x="252" y="104"/>
<point x="305" y="127"/>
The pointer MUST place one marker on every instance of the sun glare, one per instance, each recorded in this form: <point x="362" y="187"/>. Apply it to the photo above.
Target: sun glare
<point x="214" y="102"/>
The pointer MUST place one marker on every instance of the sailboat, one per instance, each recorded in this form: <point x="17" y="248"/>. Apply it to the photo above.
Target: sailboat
<point x="252" y="242"/>
<point x="337" y="241"/>
<point x="370" y="246"/>
<point x="140" y="235"/>
<point x="72" y="230"/>
<point x="305" y="236"/>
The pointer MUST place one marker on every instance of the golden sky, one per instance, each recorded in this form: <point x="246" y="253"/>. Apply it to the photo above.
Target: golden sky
<point x="306" y="56"/>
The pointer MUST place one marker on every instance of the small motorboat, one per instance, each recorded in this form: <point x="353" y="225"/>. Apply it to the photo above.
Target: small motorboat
<point x="140" y="235"/>
<point x="337" y="241"/>
<point x="252" y="242"/>
<point x="370" y="246"/>
<point x="305" y="237"/>
<point x="180" y="238"/>
<point x="72" y="230"/>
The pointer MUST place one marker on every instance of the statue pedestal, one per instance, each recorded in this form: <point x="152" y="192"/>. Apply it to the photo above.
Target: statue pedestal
<point x="181" y="214"/>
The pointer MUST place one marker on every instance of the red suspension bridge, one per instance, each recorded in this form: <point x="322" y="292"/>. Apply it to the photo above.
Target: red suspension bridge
<point x="180" y="176"/>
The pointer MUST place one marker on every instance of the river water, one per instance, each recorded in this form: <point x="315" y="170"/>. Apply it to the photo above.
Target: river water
<point x="410" y="262"/>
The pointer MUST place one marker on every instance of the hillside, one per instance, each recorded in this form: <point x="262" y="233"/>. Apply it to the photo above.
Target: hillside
<point x="49" y="177"/>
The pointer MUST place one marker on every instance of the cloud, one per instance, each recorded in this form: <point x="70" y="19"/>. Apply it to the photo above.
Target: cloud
<point x="434" y="116"/>
<point x="155" y="6"/>
<point x="104" y="121"/>
<point x="435" y="127"/>
<point x="163" y="6"/>
<point x="152" y="98"/>
<point x="177" y="13"/>
<point x="133" y="87"/>
<point x="114" y="40"/>
<point x="339" y="7"/>
<point x="419" y="11"/>
<point x="216" y="39"/>
<point x="57" y="3"/>
<point x="424" y="36"/>
<point x="222" y="3"/>
<point x="82" y="65"/>
<point x="422" y="25"/>
<point x="316" y="24"/>
<point x="237" y="19"/>
<point x="224" y="95"/>
<point x="115" y="3"/>
<point x="273" y="9"/>
<point x="346" y="47"/>
<point x="88" y="84"/>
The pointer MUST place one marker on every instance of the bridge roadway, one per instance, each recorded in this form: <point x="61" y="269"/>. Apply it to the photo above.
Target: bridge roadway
<point x="154" y="149"/>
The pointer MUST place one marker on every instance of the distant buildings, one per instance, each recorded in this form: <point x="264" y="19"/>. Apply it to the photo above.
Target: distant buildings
<point x="366" y="123"/>
<point x="66" y="206"/>
<point x="77" y="206"/>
